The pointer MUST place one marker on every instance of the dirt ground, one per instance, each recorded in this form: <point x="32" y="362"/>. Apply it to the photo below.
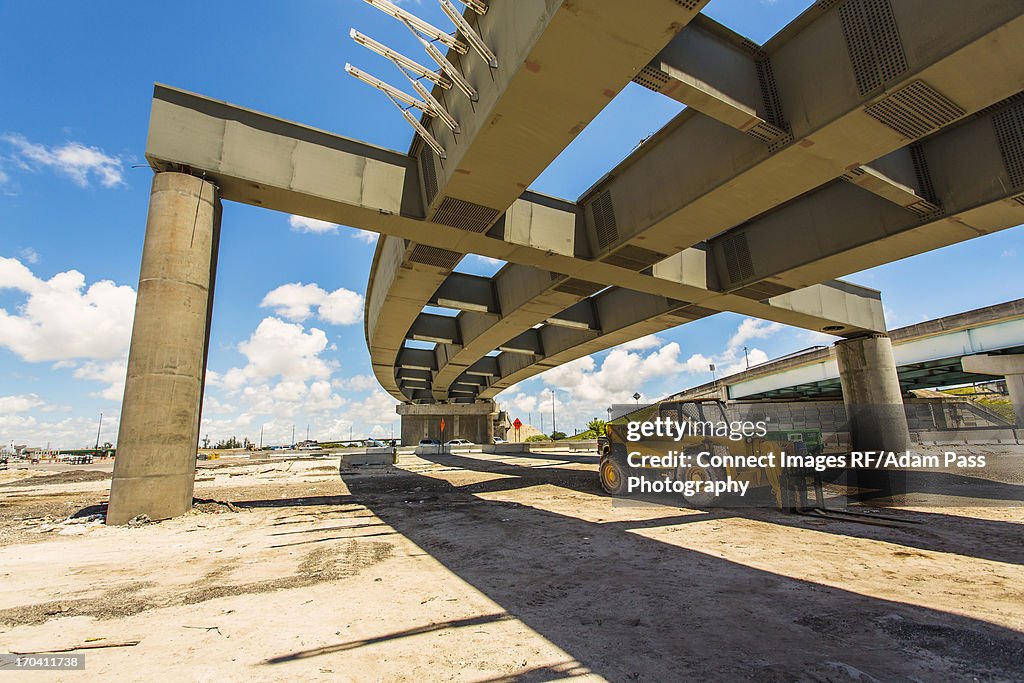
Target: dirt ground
<point x="497" y="568"/>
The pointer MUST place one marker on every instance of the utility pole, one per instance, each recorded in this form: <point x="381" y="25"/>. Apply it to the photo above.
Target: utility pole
<point x="293" y="434"/>
<point x="554" y="428"/>
<point x="261" y="437"/>
<point x="746" y="356"/>
<point x="98" y="428"/>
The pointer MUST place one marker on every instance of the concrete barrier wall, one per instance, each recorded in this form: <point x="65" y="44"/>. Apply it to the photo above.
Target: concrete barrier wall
<point x="534" y="446"/>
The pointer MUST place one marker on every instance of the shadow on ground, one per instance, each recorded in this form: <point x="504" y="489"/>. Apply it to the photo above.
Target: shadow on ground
<point x="632" y="608"/>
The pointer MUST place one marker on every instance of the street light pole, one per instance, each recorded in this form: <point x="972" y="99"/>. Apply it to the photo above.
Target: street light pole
<point x="98" y="428"/>
<point x="553" y="429"/>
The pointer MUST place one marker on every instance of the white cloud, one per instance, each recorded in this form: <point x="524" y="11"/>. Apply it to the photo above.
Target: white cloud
<point x="751" y="328"/>
<point x="303" y="224"/>
<point x="112" y="374"/>
<point x="19" y="404"/>
<point x="643" y="343"/>
<point x="364" y="235"/>
<point x="73" y="159"/>
<point x="70" y="432"/>
<point x="61" y="319"/>
<point x="295" y="301"/>
<point x="1009" y="253"/>
<point x="280" y="349"/>
<point x="622" y="373"/>
<point x="356" y="383"/>
<point x="29" y="255"/>
<point x="318" y="227"/>
<point x="755" y="356"/>
<point x="488" y="260"/>
<point x="342" y="307"/>
<point x="585" y="388"/>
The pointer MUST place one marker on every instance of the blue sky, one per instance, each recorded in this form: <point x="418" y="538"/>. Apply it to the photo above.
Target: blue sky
<point x="74" y="189"/>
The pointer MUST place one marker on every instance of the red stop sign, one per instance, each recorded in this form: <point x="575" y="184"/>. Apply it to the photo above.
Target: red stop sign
<point x="517" y="424"/>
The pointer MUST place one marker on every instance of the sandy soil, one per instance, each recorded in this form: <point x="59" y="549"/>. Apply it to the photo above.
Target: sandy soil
<point x="490" y="568"/>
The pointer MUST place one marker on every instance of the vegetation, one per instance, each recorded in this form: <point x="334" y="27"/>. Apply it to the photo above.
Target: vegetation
<point x="997" y="403"/>
<point x="595" y="428"/>
<point x="557" y="436"/>
<point x="227" y="443"/>
<point x="538" y="437"/>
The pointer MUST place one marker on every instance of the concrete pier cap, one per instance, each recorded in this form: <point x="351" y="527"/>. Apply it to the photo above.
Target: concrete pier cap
<point x="1011" y="367"/>
<point x="154" y="471"/>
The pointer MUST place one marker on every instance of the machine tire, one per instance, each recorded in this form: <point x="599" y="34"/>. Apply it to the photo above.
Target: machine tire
<point x="614" y="474"/>
<point x="702" y="499"/>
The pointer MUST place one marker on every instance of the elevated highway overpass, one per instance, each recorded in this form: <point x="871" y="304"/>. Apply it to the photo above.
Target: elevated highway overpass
<point x="975" y="346"/>
<point x="864" y="132"/>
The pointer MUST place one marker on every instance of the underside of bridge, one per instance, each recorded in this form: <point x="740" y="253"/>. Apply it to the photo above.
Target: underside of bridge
<point x="866" y="131"/>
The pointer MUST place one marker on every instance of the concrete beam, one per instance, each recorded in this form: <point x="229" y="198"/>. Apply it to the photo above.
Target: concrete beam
<point x="697" y="177"/>
<point x="416" y="359"/>
<point x="486" y="367"/>
<point x="717" y="72"/>
<point x="262" y="160"/>
<point x="626" y="315"/>
<point x="579" y="55"/>
<point x="526" y="343"/>
<point x="466" y="293"/>
<point x="840" y="229"/>
<point x="429" y="327"/>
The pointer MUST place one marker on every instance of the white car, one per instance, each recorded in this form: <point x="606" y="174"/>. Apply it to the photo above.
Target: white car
<point x="498" y="440"/>
<point x="458" y="443"/>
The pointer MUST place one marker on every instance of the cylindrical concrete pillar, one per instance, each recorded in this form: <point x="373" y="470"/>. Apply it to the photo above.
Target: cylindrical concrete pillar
<point x="1015" y="387"/>
<point x="154" y="470"/>
<point x="871" y="392"/>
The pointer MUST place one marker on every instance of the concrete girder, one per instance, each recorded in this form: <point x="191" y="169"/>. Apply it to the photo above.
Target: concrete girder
<point x="697" y="177"/>
<point x="841" y="308"/>
<point x="711" y="69"/>
<point x="414" y="375"/>
<point x="578" y="54"/>
<point x="527" y="343"/>
<point x="416" y="359"/>
<point x="359" y="211"/>
<point x="464" y="292"/>
<point x="429" y="327"/>
<point x="623" y="313"/>
<point x="840" y="229"/>
<point x="486" y="367"/>
<point x="264" y="161"/>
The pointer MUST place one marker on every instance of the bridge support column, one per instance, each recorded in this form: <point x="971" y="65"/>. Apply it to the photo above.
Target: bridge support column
<point x="472" y="421"/>
<point x="154" y="470"/>
<point x="1009" y="366"/>
<point x="871" y="391"/>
